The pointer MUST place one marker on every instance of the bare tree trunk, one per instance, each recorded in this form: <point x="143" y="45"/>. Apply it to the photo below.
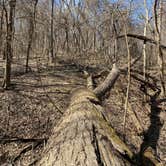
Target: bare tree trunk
<point x="158" y="23"/>
<point x="52" y="31"/>
<point x="31" y="32"/>
<point x="128" y="78"/>
<point x="9" y="40"/>
<point x="94" y="40"/>
<point x="144" y="45"/>
<point x="1" y="29"/>
<point x="67" y="38"/>
<point x="29" y="44"/>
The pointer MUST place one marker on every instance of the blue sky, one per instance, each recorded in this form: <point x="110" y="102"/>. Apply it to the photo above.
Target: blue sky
<point x="138" y="11"/>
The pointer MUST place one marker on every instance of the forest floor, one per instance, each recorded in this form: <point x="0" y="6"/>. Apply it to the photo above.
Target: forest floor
<point x="38" y="99"/>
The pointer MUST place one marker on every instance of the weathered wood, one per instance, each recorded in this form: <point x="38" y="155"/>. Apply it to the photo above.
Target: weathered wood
<point x="84" y="137"/>
<point x="108" y="83"/>
<point x="110" y="80"/>
<point x="90" y="84"/>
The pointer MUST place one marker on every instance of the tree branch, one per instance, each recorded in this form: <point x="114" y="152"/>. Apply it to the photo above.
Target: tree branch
<point x="144" y="38"/>
<point x="108" y="82"/>
<point x="111" y="78"/>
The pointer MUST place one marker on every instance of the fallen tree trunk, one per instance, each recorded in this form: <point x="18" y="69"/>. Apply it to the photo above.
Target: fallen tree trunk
<point x="84" y="137"/>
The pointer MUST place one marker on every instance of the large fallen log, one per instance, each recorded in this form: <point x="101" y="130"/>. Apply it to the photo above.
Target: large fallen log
<point x="84" y="137"/>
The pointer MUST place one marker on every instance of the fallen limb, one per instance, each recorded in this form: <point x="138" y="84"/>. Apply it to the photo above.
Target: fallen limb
<point x="111" y="78"/>
<point x="108" y="82"/>
<point x="143" y="38"/>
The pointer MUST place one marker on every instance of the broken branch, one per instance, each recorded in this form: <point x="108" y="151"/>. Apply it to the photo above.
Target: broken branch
<point x="143" y="38"/>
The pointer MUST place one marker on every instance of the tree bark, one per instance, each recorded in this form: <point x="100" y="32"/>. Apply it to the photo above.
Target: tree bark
<point x="52" y="31"/>
<point x="158" y="28"/>
<point x="9" y="40"/>
<point x="144" y="45"/>
<point x="108" y="83"/>
<point x="84" y="137"/>
<point x="32" y="26"/>
<point x="1" y="29"/>
<point x="143" y="38"/>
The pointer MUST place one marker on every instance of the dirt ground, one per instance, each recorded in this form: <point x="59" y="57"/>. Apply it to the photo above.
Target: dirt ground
<point x="38" y="99"/>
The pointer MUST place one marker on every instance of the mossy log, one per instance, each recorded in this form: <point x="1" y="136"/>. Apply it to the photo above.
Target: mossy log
<point x="84" y="137"/>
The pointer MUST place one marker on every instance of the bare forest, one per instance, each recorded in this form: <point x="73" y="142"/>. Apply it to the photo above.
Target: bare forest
<point x="82" y="82"/>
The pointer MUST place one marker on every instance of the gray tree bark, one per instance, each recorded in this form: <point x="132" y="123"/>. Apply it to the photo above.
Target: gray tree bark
<point x="9" y="40"/>
<point x="84" y="137"/>
<point x="32" y="27"/>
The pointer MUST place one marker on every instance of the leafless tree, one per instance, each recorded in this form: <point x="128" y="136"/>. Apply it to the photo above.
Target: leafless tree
<point x="9" y="39"/>
<point x="158" y="24"/>
<point x="32" y="22"/>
